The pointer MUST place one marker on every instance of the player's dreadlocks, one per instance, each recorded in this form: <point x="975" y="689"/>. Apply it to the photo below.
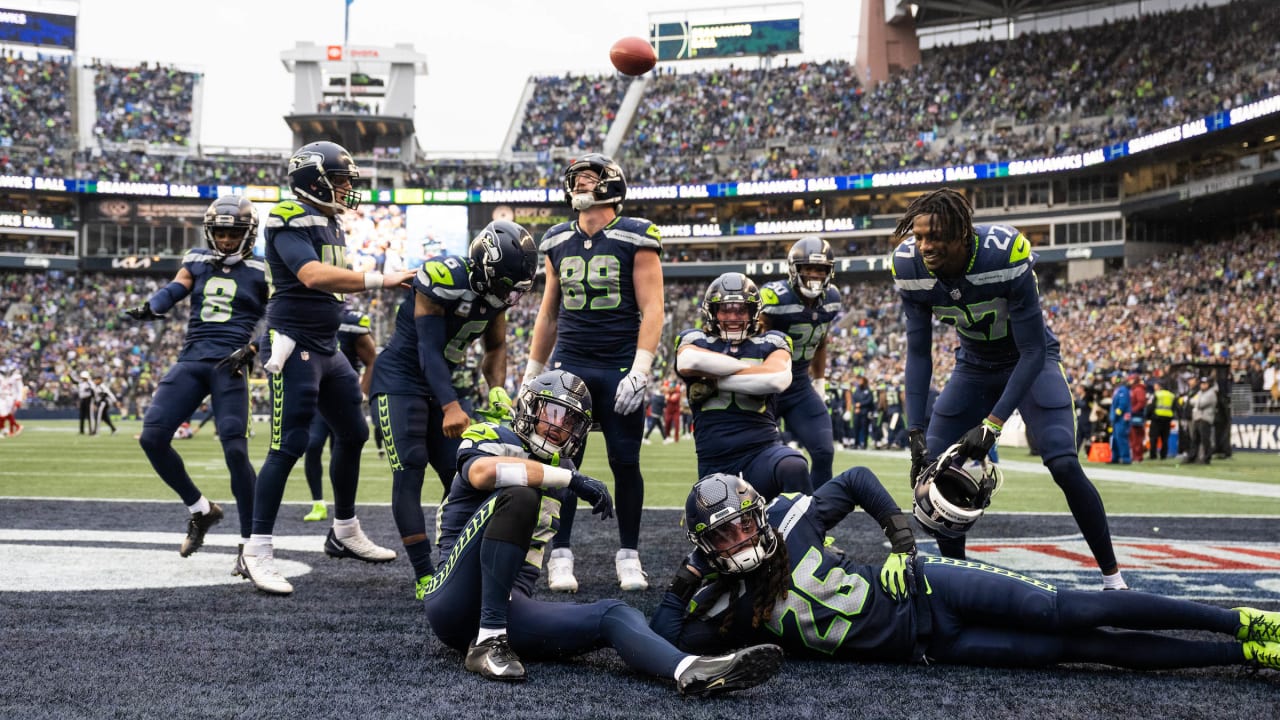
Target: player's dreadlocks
<point x="951" y="211"/>
<point x="768" y="585"/>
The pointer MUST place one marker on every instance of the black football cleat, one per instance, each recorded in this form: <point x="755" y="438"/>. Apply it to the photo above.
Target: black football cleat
<point x="495" y="660"/>
<point x="197" y="526"/>
<point x="746" y="668"/>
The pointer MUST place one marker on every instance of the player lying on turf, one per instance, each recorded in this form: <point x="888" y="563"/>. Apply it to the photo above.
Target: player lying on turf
<point x="502" y="509"/>
<point x="761" y="574"/>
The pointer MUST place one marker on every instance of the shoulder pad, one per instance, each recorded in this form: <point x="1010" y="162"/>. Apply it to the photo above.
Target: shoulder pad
<point x="780" y="339"/>
<point x="773" y="292"/>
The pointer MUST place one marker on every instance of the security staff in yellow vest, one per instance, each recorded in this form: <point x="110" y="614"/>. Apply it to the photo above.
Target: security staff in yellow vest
<point x="1161" y="418"/>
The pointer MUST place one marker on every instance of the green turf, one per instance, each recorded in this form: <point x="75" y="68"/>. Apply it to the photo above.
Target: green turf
<point x="51" y="459"/>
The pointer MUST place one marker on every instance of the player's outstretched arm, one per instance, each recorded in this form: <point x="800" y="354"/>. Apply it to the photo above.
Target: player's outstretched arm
<point x="331" y="278"/>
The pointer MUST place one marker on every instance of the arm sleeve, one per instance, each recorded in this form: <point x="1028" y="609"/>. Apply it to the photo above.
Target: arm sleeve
<point x="431" y="358"/>
<point x="1027" y="324"/>
<point x="712" y="363"/>
<point x="757" y="383"/>
<point x="919" y="362"/>
<point x="168" y="296"/>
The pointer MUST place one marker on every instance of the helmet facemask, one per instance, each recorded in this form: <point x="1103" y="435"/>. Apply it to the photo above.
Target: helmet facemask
<point x="231" y="213"/>
<point x="949" y="499"/>
<point x="610" y="185"/>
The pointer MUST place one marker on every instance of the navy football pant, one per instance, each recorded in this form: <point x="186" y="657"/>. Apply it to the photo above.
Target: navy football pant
<point x="179" y="394"/>
<point x="622" y="435"/>
<point x="536" y="629"/>
<point x="969" y="397"/>
<point x="984" y="615"/>
<point x="772" y="471"/>
<point x="805" y="414"/>
<point x="310" y="382"/>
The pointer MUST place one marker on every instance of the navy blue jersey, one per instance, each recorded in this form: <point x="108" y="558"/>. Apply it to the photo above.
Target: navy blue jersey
<point x="445" y="281"/>
<point x="599" y="317"/>
<point x="995" y="309"/>
<point x="730" y="425"/>
<point x="226" y="303"/>
<point x="296" y="235"/>
<point x="354" y="326"/>
<point x="491" y="440"/>
<point x="835" y="607"/>
<point x="806" y="324"/>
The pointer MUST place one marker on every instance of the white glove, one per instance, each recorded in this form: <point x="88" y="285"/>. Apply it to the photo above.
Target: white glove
<point x="632" y="391"/>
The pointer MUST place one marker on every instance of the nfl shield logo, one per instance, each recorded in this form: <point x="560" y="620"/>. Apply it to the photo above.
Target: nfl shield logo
<point x="955" y="294"/>
<point x="306" y="356"/>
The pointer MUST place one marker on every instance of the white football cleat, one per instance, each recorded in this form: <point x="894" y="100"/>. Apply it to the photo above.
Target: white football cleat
<point x="257" y="563"/>
<point x="560" y="571"/>
<point x="630" y="575"/>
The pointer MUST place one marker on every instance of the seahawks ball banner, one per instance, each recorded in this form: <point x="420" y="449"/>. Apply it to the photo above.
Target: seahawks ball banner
<point x="1255" y="432"/>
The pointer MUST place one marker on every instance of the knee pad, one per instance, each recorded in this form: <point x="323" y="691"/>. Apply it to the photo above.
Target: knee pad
<point x="235" y="450"/>
<point x="792" y="474"/>
<point x="515" y="515"/>
<point x="1066" y="471"/>
<point x="154" y="437"/>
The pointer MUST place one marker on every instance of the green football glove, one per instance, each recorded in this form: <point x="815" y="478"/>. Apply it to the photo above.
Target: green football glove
<point x="897" y="576"/>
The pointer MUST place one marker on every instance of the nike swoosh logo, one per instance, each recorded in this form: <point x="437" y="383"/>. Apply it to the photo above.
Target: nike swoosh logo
<point x="494" y="667"/>
<point x="715" y="683"/>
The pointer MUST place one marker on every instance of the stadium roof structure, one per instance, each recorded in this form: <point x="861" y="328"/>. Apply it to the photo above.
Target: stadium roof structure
<point x="944" y="13"/>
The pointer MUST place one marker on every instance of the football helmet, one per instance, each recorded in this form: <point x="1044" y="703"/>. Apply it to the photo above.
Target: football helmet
<point x="315" y="168"/>
<point x="725" y="518"/>
<point x="815" y="252"/>
<point x="238" y="214"/>
<point x="731" y="287"/>
<point x="949" y="499"/>
<point x="610" y="190"/>
<point x="504" y="261"/>
<point x="561" y="403"/>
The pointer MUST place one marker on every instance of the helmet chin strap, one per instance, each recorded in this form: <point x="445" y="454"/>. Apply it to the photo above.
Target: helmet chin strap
<point x="231" y="258"/>
<point x="810" y="288"/>
<point x="583" y="201"/>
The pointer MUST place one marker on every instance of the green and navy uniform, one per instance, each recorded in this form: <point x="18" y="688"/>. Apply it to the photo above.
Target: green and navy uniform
<point x="412" y="382"/>
<point x="959" y="612"/>
<point x="596" y="335"/>
<point x="800" y="406"/>
<point x="1007" y="359"/>
<point x="737" y="433"/>
<point x="227" y="301"/>
<point x="315" y="377"/>
<point x="493" y="542"/>
<point x="355" y="325"/>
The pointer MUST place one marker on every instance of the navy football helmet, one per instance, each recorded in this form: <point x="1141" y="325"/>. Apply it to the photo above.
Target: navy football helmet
<point x="561" y="403"/>
<point x="731" y="287"/>
<point x="811" y="251"/>
<point x="504" y="261"/>
<point x="237" y="214"/>
<point x="314" y="171"/>
<point x="610" y="190"/>
<point x="949" y="499"/>
<point x="725" y="518"/>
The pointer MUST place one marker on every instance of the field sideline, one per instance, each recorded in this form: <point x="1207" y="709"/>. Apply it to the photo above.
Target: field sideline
<point x="51" y="459"/>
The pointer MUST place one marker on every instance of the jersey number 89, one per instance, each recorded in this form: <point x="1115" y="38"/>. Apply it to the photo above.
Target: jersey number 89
<point x="602" y="274"/>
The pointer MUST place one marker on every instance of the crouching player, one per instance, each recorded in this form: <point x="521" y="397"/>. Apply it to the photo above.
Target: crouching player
<point x="501" y="512"/>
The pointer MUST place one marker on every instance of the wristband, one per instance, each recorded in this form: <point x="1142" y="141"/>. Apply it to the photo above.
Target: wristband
<point x="684" y="585"/>
<point x="643" y="362"/>
<point x="372" y="280"/>
<point x="992" y="426"/>
<point x="511" y="474"/>
<point x="556" y="477"/>
<point x="898" y="531"/>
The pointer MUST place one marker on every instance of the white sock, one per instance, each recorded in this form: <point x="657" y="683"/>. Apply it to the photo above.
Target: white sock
<point x="562" y="553"/>
<point x="684" y="665"/>
<point x="346" y="528"/>
<point x="625" y="554"/>
<point x="257" y="541"/>
<point x="1115" y="582"/>
<point x="199" y="506"/>
<point x="486" y="633"/>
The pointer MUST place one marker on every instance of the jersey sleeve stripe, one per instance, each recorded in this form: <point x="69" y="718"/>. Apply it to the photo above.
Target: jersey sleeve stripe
<point x="923" y="284"/>
<point x="997" y="276"/>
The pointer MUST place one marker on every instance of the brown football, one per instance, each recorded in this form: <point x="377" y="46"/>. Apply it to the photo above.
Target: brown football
<point x="633" y="56"/>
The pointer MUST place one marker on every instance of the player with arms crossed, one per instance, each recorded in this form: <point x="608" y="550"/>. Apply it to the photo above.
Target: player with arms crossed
<point x="307" y="268"/>
<point x="803" y="307"/>
<point x="501" y="511"/>
<point x="761" y="573"/>
<point x="454" y="301"/>
<point x="734" y="374"/>
<point x="603" y="312"/>
<point x="980" y="279"/>
<point x="228" y="290"/>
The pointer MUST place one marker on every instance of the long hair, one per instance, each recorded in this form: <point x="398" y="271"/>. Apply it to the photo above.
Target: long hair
<point x="768" y="585"/>
<point x="951" y="211"/>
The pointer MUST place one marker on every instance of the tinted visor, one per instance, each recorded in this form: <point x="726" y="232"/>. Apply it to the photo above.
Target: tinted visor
<point x="561" y="423"/>
<point x="731" y="535"/>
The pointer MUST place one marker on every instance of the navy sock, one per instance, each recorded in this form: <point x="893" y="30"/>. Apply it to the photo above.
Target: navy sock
<point x="500" y="563"/>
<point x="628" y="497"/>
<point x="1086" y="508"/>
<point x="420" y="556"/>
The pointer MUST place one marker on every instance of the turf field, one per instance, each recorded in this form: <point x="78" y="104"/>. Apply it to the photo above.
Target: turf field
<point x="99" y="617"/>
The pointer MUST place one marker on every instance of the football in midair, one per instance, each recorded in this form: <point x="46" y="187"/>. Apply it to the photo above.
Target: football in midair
<point x="633" y="56"/>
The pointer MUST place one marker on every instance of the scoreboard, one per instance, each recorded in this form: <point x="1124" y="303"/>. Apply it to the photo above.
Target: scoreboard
<point x="697" y="41"/>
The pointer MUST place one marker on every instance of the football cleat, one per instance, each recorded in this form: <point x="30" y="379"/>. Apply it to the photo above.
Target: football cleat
<point x="318" y="512"/>
<point x="560" y="571"/>
<point x="1258" y="625"/>
<point x="257" y="563"/>
<point x="357" y="546"/>
<point x="494" y="659"/>
<point x="1262" y="654"/>
<point x="197" y="526"/>
<point x="630" y="575"/>
<point x="420" y="587"/>
<point x="739" y="670"/>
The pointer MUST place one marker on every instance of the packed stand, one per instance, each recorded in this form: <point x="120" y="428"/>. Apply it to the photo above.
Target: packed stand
<point x="147" y="102"/>
<point x="571" y="111"/>
<point x="36" y="114"/>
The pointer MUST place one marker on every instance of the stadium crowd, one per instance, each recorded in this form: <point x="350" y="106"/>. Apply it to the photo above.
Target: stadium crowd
<point x="151" y="102"/>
